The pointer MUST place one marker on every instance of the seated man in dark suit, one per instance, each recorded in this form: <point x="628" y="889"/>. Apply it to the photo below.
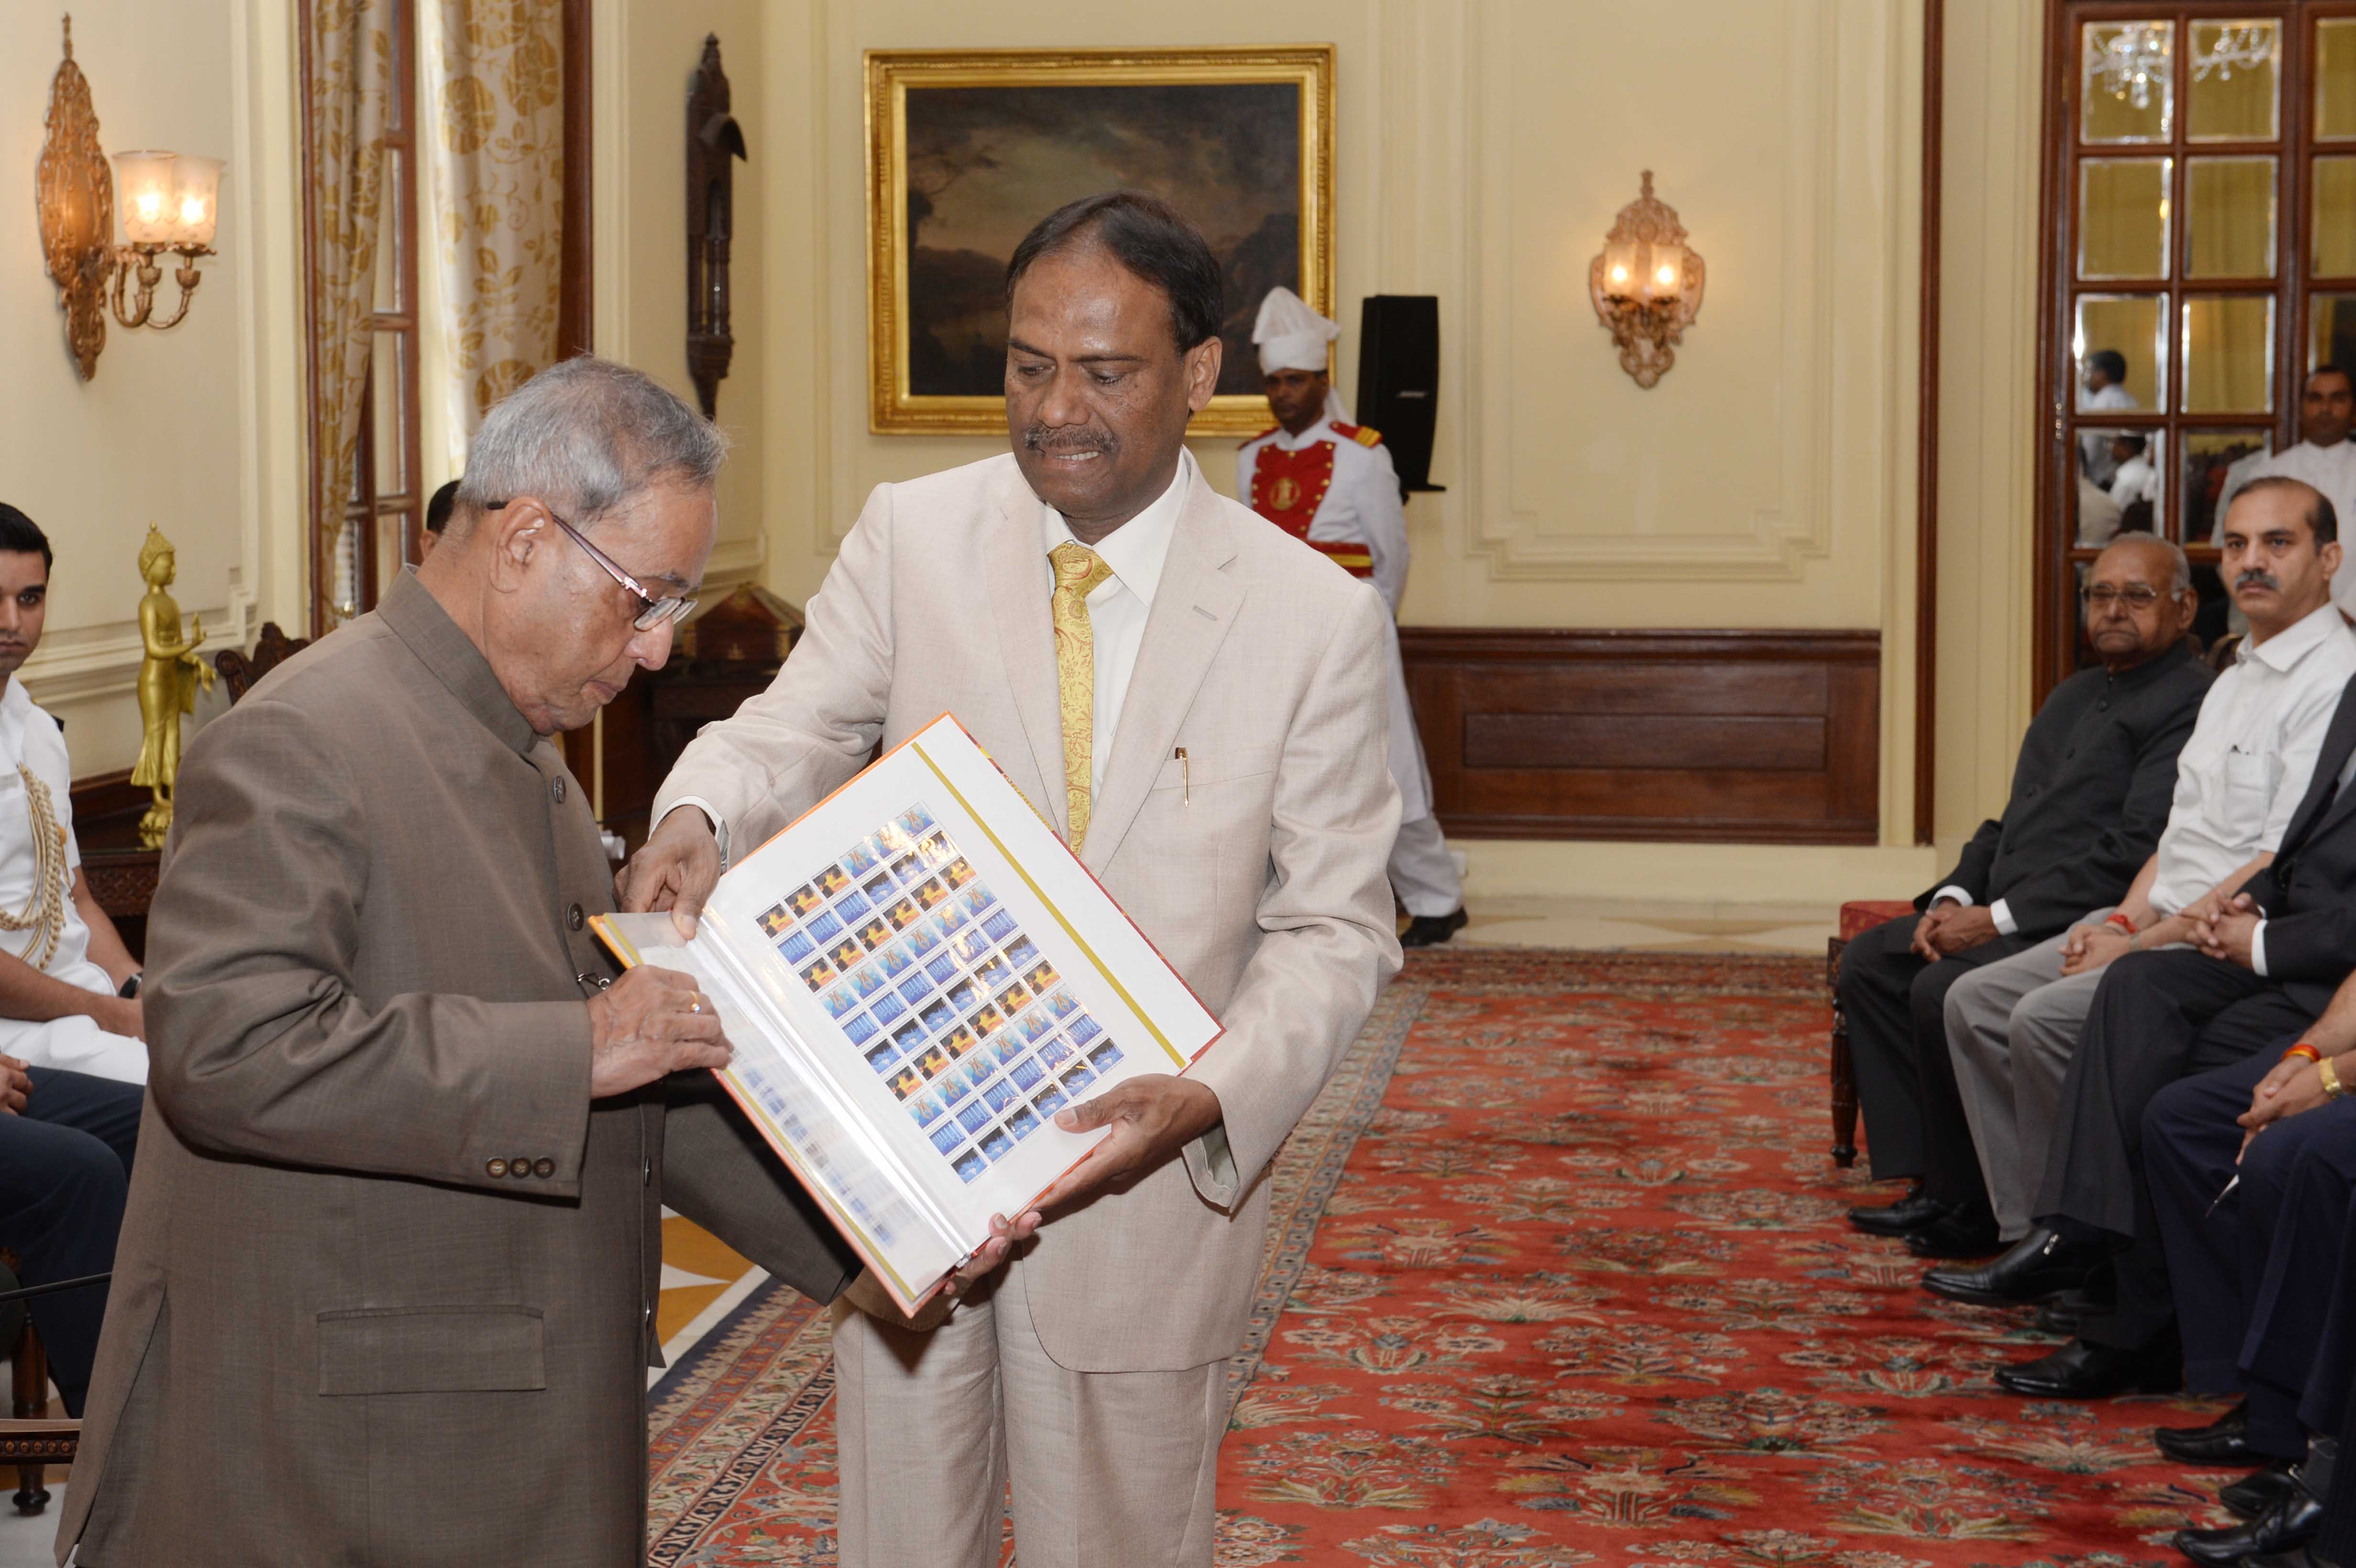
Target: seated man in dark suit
<point x="2257" y="1231"/>
<point x="66" y="1145"/>
<point x="2090" y="795"/>
<point x="2266" y="965"/>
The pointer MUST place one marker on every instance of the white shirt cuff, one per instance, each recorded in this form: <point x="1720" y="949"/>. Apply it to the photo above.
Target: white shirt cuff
<point x="2001" y="913"/>
<point x="1955" y="893"/>
<point x="711" y="815"/>
<point x="2258" y="947"/>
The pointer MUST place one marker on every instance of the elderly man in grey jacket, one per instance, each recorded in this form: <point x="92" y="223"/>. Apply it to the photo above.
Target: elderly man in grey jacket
<point x="385" y="1293"/>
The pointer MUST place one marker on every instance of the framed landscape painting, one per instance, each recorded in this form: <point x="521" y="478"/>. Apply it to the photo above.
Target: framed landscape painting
<point x="967" y="149"/>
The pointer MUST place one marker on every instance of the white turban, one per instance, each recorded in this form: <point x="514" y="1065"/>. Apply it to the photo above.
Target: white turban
<point x="1292" y="337"/>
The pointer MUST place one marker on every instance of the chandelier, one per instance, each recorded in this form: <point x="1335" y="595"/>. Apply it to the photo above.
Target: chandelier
<point x="2126" y="63"/>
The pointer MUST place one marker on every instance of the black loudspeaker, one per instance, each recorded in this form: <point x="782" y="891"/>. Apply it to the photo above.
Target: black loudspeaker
<point x="1399" y="380"/>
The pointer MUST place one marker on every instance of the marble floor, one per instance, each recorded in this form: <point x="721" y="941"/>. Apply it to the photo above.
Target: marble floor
<point x="703" y="1280"/>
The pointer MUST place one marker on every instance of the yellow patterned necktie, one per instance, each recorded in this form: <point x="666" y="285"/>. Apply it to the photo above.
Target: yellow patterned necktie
<point x="1078" y="570"/>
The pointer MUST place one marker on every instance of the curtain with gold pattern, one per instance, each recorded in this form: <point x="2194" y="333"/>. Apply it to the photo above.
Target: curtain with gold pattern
<point x="498" y="193"/>
<point x="348" y="55"/>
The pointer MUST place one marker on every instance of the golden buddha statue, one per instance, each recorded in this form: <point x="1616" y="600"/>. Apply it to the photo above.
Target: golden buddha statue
<point x="169" y="677"/>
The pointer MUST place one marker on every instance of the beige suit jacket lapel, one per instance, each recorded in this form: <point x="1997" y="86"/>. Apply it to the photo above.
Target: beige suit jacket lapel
<point x="1026" y="637"/>
<point x="1192" y="609"/>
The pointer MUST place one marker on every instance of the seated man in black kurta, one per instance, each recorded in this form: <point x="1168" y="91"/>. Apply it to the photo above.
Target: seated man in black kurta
<point x="2090" y="795"/>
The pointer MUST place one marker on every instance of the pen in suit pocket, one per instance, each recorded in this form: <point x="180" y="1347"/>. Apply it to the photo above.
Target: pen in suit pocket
<point x="1186" y="776"/>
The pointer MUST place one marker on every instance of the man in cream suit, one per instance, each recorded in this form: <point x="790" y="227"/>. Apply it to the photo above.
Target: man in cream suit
<point x="1195" y="700"/>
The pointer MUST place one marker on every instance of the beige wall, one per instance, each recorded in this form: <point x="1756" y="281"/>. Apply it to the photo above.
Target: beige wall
<point x="643" y="53"/>
<point x="192" y="429"/>
<point x="1483" y="150"/>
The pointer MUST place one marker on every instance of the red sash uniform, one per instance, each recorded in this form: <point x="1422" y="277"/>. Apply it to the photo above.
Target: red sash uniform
<point x="1288" y="486"/>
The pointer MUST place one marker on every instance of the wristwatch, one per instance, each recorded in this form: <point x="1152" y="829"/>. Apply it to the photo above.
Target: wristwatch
<point x="131" y="987"/>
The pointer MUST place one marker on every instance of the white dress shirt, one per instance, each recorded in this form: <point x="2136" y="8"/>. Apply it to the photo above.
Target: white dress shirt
<point x="29" y="736"/>
<point x="2136" y="480"/>
<point x="1119" y="606"/>
<point x="2252" y="752"/>
<point x="1117" y="610"/>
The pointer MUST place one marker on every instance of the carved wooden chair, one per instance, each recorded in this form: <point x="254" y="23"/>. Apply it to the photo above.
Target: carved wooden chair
<point x="1856" y="917"/>
<point x="239" y="671"/>
<point x="32" y="1440"/>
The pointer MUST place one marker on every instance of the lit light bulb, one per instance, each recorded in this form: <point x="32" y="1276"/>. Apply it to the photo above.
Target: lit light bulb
<point x="1619" y="274"/>
<point x="1667" y="275"/>
<point x="151" y="206"/>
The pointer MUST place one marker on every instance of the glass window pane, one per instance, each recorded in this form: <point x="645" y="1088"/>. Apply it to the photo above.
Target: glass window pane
<point x="2331" y="330"/>
<point x="2121" y="484"/>
<point x="2209" y="454"/>
<point x="2229" y="354"/>
<point x="2237" y="88"/>
<point x="2121" y="349"/>
<point x="2123" y="217"/>
<point x="390" y="383"/>
<point x="2128" y="81"/>
<point x="2333" y="225"/>
<point x="2229" y="218"/>
<point x="2335" y="79"/>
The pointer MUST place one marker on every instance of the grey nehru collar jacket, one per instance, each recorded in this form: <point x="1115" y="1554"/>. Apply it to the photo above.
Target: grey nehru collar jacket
<point x="2090" y="795"/>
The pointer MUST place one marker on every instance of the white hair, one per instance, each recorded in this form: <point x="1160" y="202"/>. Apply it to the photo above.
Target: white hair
<point x="2176" y="556"/>
<point x="586" y="435"/>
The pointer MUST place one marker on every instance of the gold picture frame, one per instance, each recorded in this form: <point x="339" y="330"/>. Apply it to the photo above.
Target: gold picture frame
<point x="988" y="129"/>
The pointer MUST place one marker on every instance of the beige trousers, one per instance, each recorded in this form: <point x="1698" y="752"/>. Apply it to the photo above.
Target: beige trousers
<point x="1109" y="1468"/>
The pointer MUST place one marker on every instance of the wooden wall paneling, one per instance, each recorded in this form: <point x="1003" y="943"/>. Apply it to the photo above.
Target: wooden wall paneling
<point x="1728" y="736"/>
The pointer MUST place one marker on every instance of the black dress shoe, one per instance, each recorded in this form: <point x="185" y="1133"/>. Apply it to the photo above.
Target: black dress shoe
<point x="1910" y="1212"/>
<point x="2292" y="1522"/>
<point x="2080" y="1370"/>
<point x="2255" y="1494"/>
<point x="2039" y="1268"/>
<point x="1958" y="1233"/>
<point x="2224" y="1441"/>
<point x="1431" y="930"/>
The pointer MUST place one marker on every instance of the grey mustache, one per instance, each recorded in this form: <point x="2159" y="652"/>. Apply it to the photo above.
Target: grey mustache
<point x="2258" y="579"/>
<point x="1038" y="438"/>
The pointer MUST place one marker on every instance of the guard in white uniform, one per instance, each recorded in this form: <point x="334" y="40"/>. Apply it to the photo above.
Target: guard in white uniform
<point x="63" y="966"/>
<point x="1330" y="483"/>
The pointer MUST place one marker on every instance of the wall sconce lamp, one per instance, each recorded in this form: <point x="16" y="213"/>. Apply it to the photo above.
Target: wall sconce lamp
<point x="171" y="202"/>
<point x="1646" y="285"/>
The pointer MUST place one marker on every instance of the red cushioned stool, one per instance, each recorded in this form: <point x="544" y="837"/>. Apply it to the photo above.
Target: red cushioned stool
<point x="1856" y="917"/>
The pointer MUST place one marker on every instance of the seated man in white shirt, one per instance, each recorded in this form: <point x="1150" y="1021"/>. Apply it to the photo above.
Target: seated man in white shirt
<point x="2014" y="1024"/>
<point x="69" y="988"/>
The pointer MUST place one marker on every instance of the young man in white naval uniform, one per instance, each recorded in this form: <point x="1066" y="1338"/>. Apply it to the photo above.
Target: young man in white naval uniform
<point x="63" y="970"/>
<point x="1330" y="483"/>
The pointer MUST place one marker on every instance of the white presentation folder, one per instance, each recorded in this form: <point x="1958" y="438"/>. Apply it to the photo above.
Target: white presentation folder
<point x="915" y="975"/>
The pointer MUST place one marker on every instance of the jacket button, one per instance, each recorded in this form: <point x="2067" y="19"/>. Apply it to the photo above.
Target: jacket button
<point x="495" y="1167"/>
<point x="519" y="1167"/>
<point x="556" y="788"/>
<point x="543" y="1168"/>
<point x="572" y="916"/>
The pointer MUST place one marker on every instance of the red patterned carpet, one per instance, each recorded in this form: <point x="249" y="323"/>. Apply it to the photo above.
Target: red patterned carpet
<point x="1559" y="1278"/>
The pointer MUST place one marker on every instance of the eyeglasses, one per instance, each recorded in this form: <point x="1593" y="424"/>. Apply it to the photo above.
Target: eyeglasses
<point x="652" y="612"/>
<point x="2136" y="596"/>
